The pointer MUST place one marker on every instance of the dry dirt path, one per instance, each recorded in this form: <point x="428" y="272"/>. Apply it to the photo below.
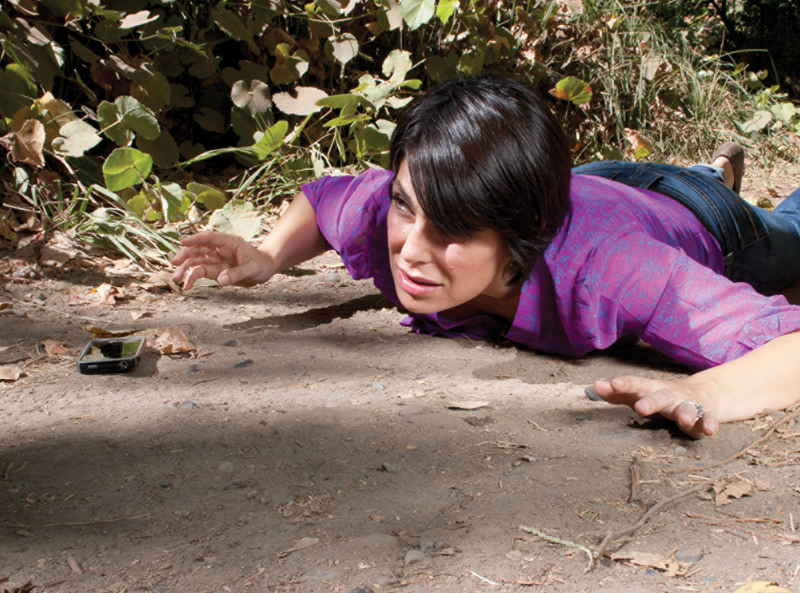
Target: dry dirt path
<point x="333" y="458"/>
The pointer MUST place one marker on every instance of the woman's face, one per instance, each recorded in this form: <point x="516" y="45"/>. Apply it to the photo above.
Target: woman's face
<point x="433" y="272"/>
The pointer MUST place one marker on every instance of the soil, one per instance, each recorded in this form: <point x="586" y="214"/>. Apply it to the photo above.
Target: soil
<point x="312" y="443"/>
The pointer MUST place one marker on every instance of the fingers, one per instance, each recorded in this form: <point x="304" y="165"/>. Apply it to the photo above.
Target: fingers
<point x="247" y="271"/>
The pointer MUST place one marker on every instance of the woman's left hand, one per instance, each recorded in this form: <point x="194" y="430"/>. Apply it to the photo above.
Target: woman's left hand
<point x="672" y="399"/>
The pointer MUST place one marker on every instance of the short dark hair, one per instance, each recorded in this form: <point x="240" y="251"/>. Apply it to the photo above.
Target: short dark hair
<point x="487" y="153"/>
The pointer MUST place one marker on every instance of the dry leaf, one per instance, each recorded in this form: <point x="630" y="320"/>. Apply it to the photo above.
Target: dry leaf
<point x="25" y="146"/>
<point x="762" y="587"/>
<point x="468" y="405"/>
<point x="99" y="333"/>
<point x="58" y="250"/>
<point x="139" y="314"/>
<point x="762" y="485"/>
<point x="54" y="347"/>
<point x="306" y="542"/>
<point x="376" y="518"/>
<point x="9" y="373"/>
<point x="170" y="340"/>
<point x="161" y="279"/>
<point x="738" y="489"/>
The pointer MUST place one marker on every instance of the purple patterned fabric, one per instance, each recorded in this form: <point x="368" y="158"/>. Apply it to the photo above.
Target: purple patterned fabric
<point x="626" y="263"/>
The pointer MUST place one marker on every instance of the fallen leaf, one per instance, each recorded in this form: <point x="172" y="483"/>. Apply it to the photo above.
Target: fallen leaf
<point x="170" y="340"/>
<point x="762" y="587"/>
<point x="25" y="146"/>
<point x="306" y="542"/>
<point x="762" y="485"/>
<point x="468" y="405"/>
<point x="139" y="314"/>
<point x="9" y="373"/>
<point x="161" y="279"/>
<point x="58" y="250"/>
<point x="376" y="518"/>
<point x="54" y="347"/>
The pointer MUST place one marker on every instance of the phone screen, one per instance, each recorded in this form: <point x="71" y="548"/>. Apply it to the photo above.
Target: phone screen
<point x="112" y="350"/>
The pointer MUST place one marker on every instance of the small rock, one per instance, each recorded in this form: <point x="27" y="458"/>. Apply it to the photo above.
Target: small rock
<point x="378" y="385"/>
<point x="709" y="579"/>
<point x="243" y="364"/>
<point x="230" y="343"/>
<point x="414" y="556"/>
<point x="651" y="572"/>
<point x="329" y="278"/>
<point x="388" y="467"/>
<point x="424" y="546"/>
<point x="41" y="297"/>
<point x="187" y="405"/>
<point x="160" y="589"/>
<point x="384" y="582"/>
<point x="263" y="501"/>
<point x="262" y="422"/>
<point x="689" y="555"/>
<point x="384" y="366"/>
<point x="241" y="352"/>
<point x="164" y="483"/>
<point x="300" y="373"/>
<point x="183" y="514"/>
<point x="582" y="417"/>
<point x="313" y="356"/>
<point x="361" y="589"/>
<point x="193" y="368"/>
<point x="251" y="495"/>
<point x="439" y="545"/>
<point x="226" y="467"/>
<point x="678" y="450"/>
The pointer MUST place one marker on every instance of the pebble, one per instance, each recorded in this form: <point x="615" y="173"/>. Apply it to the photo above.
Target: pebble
<point x="388" y="467"/>
<point x="384" y="582"/>
<point x="226" y="467"/>
<point x="439" y="545"/>
<point x="41" y="297"/>
<point x="160" y="589"/>
<point x="164" y="483"/>
<point x="582" y="417"/>
<point x="424" y="546"/>
<point x="650" y="572"/>
<point x="378" y="385"/>
<point x="361" y="589"/>
<point x="300" y="373"/>
<point x="384" y="366"/>
<point x="262" y="422"/>
<point x="689" y="555"/>
<point x="414" y="556"/>
<point x="187" y="405"/>
<point x="193" y="368"/>
<point x="329" y="278"/>
<point x="243" y="364"/>
<point x="230" y="343"/>
<point x="678" y="450"/>
<point x="251" y="495"/>
<point x="263" y="501"/>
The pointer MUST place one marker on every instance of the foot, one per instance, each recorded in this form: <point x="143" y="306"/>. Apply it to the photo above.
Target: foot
<point x="730" y="158"/>
<point x="674" y="400"/>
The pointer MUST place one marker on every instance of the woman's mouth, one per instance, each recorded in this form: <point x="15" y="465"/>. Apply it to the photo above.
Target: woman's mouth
<point x="415" y="285"/>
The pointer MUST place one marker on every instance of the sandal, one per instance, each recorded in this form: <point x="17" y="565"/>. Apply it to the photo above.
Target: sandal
<point x="735" y="155"/>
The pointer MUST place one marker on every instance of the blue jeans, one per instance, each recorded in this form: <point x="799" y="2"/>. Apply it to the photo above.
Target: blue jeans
<point x="759" y="247"/>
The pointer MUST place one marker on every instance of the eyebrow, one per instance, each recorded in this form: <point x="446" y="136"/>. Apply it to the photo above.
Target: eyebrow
<point x="398" y="188"/>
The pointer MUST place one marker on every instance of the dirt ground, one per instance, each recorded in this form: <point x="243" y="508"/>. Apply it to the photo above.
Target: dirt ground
<point x="312" y="443"/>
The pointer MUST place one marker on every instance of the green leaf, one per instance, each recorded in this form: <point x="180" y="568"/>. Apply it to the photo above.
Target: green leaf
<point x="179" y="96"/>
<point x="237" y="218"/>
<point x="345" y="102"/>
<point x="138" y="204"/>
<point x="304" y="104"/>
<point x="16" y="90"/>
<point x="346" y="120"/>
<point x="272" y="139"/>
<point x="572" y="89"/>
<point x="389" y="16"/>
<point x="247" y="72"/>
<point x="330" y="7"/>
<point x="439" y="69"/>
<point x="153" y="92"/>
<point x="471" y="64"/>
<point x="256" y="98"/>
<point x="230" y="23"/>
<point x="163" y="149"/>
<point x="77" y="137"/>
<point x="210" y="120"/>
<point x="345" y="48"/>
<point x="126" y="167"/>
<point x="396" y="65"/>
<point x="760" y="121"/>
<point x="417" y="12"/>
<point x="126" y="117"/>
<point x="287" y="68"/>
<point x="611" y="153"/>
<point x="83" y="52"/>
<point x="784" y="112"/>
<point x="211" y="198"/>
<point x="445" y="10"/>
<point x="174" y="204"/>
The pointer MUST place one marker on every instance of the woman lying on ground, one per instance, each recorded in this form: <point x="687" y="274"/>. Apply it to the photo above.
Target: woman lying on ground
<point x="481" y="230"/>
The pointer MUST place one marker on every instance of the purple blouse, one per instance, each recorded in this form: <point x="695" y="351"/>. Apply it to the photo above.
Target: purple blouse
<point x="626" y="263"/>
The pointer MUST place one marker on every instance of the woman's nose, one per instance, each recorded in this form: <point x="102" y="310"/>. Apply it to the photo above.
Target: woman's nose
<point x="417" y="244"/>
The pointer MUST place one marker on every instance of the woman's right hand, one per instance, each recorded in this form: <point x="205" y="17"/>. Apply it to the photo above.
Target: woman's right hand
<point x="228" y="259"/>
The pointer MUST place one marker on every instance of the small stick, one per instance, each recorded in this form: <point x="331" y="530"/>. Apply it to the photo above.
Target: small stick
<point x="536" y="425"/>
<point x="83" y="523"/>
<point x="483" y="578"/>
<point x="612" y="535"/>
<point x="73" y="564"/>
<point x="783" y="420"/>
<point x="561" y="542"/>
<point x="634" y="480"/>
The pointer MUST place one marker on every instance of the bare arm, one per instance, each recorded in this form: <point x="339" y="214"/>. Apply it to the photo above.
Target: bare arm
<point x="767" y="377"/>
<point x="232" y="260"/>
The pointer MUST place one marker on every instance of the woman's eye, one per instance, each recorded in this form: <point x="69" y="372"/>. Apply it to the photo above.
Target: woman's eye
<point x="400" y="203"/>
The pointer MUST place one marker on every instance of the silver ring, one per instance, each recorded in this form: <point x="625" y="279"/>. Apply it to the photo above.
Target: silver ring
<point x="700" y="409"/>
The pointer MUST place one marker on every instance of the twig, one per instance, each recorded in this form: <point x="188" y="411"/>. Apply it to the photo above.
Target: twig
<point x="65" y="313"/>
<point x="612" y="535"/>
<point x="536" y="425"/>
<point x="561" y="542"/>
<point x="204" y="381"/>
<point x="783" y="420"/>
<point x="83" y="523"/>
<point x="634" y="480"/>
<point x="484" y="579"/>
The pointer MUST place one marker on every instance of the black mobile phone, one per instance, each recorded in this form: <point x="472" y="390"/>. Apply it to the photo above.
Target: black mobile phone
<point x="111" y="355"/>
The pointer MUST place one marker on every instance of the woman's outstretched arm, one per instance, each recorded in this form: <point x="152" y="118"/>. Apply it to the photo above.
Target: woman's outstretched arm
<point x="231" y="260"/>
<point x="767" y="377"/>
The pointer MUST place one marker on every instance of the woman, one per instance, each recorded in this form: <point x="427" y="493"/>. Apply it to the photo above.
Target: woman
<point x="481" y="230"/>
